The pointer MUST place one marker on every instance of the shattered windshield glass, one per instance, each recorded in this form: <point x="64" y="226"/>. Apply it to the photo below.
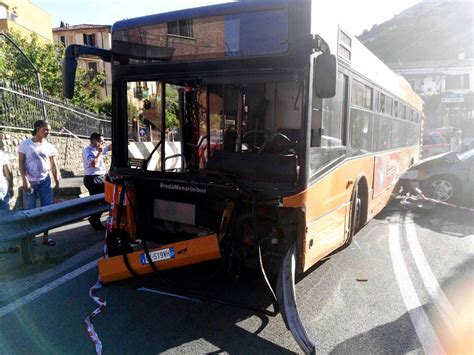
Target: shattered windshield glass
<point x="201" y="119"/>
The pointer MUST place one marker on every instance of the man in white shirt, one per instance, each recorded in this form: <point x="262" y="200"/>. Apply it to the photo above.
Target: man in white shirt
<point x="37" y="159"/>
<point x="6" y="181"/>
<point x="94" y="171"/>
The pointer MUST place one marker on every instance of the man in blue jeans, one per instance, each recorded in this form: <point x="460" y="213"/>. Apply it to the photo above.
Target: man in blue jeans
<point x="37" y="159"/>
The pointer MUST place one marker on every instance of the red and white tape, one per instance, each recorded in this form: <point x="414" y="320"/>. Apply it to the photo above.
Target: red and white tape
<point x="404" y="199"/>
<point x="88" y="321"/>
<point x="423" y="197"/>
<point x="101" y="302"/>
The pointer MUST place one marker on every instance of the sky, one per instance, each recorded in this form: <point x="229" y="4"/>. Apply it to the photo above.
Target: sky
<point x="353" y="15"/>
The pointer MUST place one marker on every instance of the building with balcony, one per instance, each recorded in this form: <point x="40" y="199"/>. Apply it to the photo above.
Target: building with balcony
<point x="26" y="18"/>
<point x="438" y="77"/>
<point x="88" y="35"/>
<point x="447" y="87"/>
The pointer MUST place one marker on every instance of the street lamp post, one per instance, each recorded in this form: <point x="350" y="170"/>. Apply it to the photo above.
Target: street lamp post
<point x="37" y="72"/>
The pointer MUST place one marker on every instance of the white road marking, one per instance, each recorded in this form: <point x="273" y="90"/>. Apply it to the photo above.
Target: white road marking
<point x="431" y="283"/>
<point x="9" y="308"/>
<point x="426" y="334"/>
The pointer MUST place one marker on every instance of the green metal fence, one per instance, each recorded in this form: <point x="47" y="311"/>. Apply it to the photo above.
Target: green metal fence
<point x="21" y="106"/>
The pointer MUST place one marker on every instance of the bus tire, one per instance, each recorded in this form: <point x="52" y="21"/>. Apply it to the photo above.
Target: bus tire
<point x="363" y="192"/>
<point x="354" y="214"/>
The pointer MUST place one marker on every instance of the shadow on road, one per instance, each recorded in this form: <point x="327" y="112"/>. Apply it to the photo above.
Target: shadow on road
<point x="383" y="339"/>
<point x="451" y="221"/>
<point x="168" y="322"/>
<point x="447" y="220"/>
<point x="70" y="240"/>
<point x="386" y="338"/>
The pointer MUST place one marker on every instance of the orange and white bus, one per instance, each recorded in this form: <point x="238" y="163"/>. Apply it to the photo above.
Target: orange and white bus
<point x="238" y="136"/>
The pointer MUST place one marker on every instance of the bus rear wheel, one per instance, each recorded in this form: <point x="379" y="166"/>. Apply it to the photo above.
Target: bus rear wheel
<point x="354" y="214"/>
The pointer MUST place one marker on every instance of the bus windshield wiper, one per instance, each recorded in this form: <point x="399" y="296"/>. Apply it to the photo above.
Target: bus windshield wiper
<point x="147" y="160"/>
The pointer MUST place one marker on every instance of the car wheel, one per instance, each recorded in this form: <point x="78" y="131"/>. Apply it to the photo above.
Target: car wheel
<point x="442" y="188"/>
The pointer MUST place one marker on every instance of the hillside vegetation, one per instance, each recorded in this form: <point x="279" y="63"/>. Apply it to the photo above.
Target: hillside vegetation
<point x="430" y="30"/>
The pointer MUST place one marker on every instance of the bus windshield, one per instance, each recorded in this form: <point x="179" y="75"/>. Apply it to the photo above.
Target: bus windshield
<point x="235" y="35"/>
<point x="215" y="118"/>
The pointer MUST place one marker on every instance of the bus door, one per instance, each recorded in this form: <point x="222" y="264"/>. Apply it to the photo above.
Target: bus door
<point x="327" y="211"/>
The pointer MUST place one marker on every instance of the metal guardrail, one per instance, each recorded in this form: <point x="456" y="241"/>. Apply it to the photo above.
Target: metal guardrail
<point x="21" y="226"/>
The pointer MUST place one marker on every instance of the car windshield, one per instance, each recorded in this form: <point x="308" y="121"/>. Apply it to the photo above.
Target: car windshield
<point x="466" y="155"/>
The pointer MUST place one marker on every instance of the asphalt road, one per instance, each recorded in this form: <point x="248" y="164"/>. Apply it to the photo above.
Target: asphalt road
<point x="400" y="287"/>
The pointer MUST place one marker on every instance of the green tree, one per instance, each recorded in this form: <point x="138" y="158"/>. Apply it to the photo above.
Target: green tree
<point x="172" y="108"/>
<point x="104" y="107"/>
<point x="47" y="58"/>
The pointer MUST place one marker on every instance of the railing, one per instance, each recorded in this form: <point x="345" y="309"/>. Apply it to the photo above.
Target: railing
<point x="21" y="106"/>
<point x="21" y="226"/>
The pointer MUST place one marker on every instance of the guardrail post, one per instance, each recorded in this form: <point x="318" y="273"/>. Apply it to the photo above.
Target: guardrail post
<point x="28" y="253"/>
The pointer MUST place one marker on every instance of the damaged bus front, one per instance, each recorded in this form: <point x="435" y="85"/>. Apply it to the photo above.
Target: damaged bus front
<point x="211" y="135"/>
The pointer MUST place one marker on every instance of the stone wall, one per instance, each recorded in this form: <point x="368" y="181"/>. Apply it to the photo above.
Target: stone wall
<point x="69" y="156"/>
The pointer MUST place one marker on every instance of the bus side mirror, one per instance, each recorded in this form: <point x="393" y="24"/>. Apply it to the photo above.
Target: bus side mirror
<point x="69" y="67"/>
<point x="325" y="72"/>
<point x="69" y="64"/>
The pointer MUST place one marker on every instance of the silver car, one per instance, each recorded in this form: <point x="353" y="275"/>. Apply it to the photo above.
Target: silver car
<point x="446" y="177"/>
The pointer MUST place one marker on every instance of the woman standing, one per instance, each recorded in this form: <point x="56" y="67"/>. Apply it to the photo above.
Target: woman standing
<point x="37" y="159"/>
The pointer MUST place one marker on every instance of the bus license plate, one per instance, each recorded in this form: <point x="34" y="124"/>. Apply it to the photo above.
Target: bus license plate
<point x="163" y="254"/>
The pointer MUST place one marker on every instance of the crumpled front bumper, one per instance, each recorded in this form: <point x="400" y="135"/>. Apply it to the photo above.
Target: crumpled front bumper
<point x="408" y="185"/>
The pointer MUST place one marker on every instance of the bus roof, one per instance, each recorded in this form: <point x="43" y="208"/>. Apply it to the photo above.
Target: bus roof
<point x="369" y="65"/>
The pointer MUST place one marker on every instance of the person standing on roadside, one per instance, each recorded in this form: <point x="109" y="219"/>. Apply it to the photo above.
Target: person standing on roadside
<point x="6" y="181"/>
<point x="37" y="160"/>
<point x="94" y="171"/>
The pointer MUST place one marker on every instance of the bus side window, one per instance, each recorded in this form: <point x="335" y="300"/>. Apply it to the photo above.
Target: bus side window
<point x="383" y="123"/>
<point x="361" y="120"/>
<point x="334" y="115"/>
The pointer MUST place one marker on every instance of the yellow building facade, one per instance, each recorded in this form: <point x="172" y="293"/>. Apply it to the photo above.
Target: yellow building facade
<point x="26" y="18"/>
